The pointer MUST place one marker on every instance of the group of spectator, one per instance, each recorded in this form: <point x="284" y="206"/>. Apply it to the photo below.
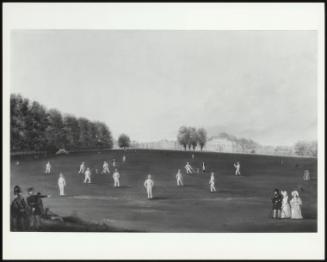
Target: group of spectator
<point x="26" y="213"/>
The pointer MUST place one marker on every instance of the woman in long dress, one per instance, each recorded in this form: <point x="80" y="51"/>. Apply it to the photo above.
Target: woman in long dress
<point x="296" y="204"/>
<point x="286" y="209"/>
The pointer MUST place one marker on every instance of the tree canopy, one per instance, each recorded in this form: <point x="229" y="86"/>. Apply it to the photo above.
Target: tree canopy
<point x="124" y="141"/>
<point x="34" y="128"/>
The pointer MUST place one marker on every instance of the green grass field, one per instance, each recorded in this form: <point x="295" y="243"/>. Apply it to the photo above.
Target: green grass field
<point x="241" y="204"/>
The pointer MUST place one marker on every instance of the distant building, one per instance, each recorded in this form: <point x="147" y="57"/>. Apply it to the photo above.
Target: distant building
<point x="161" y="144"/>
<point x="220" y="145"/>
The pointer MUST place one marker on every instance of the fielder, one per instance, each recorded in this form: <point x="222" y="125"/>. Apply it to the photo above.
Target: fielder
<point x="61" y="184"/>
<point x="116" y="177"/>
<point x="188" y="168"/>
<point x="87" y="176"/>
<point x="148" y="184"/>
<point x="179" y="178"/>
<point x="82" y="168"/>
<point x="48" y="168"/>
<point x="212" y="182"/>
<point x="124" y="158"/>
<point x="203" y="168"/>
<point x="237" y="168"/>
<point x="105" y="168"/>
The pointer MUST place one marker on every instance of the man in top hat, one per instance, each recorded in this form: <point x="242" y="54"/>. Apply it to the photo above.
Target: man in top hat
<point x="18" y="210"/>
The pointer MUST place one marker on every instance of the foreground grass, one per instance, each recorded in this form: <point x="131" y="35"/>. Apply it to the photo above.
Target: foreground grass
<point x="75" y="224"/>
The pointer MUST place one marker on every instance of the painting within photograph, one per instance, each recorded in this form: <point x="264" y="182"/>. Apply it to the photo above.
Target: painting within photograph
<point x="183" y="131"/>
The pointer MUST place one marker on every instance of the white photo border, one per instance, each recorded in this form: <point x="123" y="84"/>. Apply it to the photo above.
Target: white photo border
<point x="179" y="16"/>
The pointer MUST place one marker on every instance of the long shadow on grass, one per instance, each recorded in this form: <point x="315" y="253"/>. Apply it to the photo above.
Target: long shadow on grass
<point x="159" y="198"/>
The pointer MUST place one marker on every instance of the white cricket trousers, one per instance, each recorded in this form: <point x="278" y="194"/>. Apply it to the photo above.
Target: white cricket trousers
<point x="237" y="172"/>
<point x="149" y="192"/>
<point x="61" y="190"/>
<point x="87" y="179"/>
<point x="179" y="182"/>
<point x="105" y="170"/>
<point x="116" y="182"/>
<point x="212" y="188"/>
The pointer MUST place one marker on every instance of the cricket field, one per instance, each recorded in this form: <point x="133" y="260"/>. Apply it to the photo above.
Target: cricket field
<point x="241" y="203"/>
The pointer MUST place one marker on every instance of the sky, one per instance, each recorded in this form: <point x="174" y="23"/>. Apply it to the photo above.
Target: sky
<point x="255" y="84"/>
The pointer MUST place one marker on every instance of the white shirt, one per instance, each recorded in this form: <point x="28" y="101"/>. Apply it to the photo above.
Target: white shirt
<point x="148" y="183"/>
<point x="187" y="166"/>
<point x="179" y="175"/>
<point x="87" y="172"/>
<point x="61" y="181"/>
<point x="116" y="175"/>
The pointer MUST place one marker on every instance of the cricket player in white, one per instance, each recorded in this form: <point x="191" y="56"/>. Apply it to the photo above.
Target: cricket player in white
<point x="148" y="184"/>
<point x="87" y="176"/>
<point x="203" y="168"/>
<point x="124" y="158"/>
<point x="179" y="178"/>
<point x="82" y="168"/>
<point x="116" y="177"/>
<point x="105" y="168"/>
<point x="114" y="163"/>
<point x="48" y="168"/>
<point x="61" y="184"/>
<point x="212" y="182"/>
<point x="237" y="168"/>
<point x="188" y="168"/>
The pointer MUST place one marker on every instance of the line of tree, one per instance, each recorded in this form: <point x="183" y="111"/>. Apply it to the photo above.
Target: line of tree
<point x="34" y="128"/>
<point x="306" y="148"/>
<point x="246" y="145"/>
<point x="190" y="137"/>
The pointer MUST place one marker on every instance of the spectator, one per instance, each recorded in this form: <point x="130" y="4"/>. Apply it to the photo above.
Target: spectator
<point x="35" y="204"/>
<point x="277" y="204"/>
<point x="19" y="211"/>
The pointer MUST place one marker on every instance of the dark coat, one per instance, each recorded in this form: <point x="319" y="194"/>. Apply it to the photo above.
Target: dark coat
<point x="35" y="203"/>
<point x="18" y="207"/>
<point x="277" y="201"/>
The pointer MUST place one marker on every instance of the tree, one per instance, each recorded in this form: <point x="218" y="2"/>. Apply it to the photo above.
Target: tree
<point x="37" y="123"/>
<point x="306" y="148"/>
<point x="183" y="136"/>
<point x="92" y="130"/>
<point x="19" y="108"/>
<point x="104" y="138"/>
<point x="124" y="141"/>
<point x="83" y="140"/>
<point x="54" y="132"/>
<point x="202" y="137"/>
<point x="193" y="140"/>
<point x="16" y="123"/>
<point x="71" y="132"/>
